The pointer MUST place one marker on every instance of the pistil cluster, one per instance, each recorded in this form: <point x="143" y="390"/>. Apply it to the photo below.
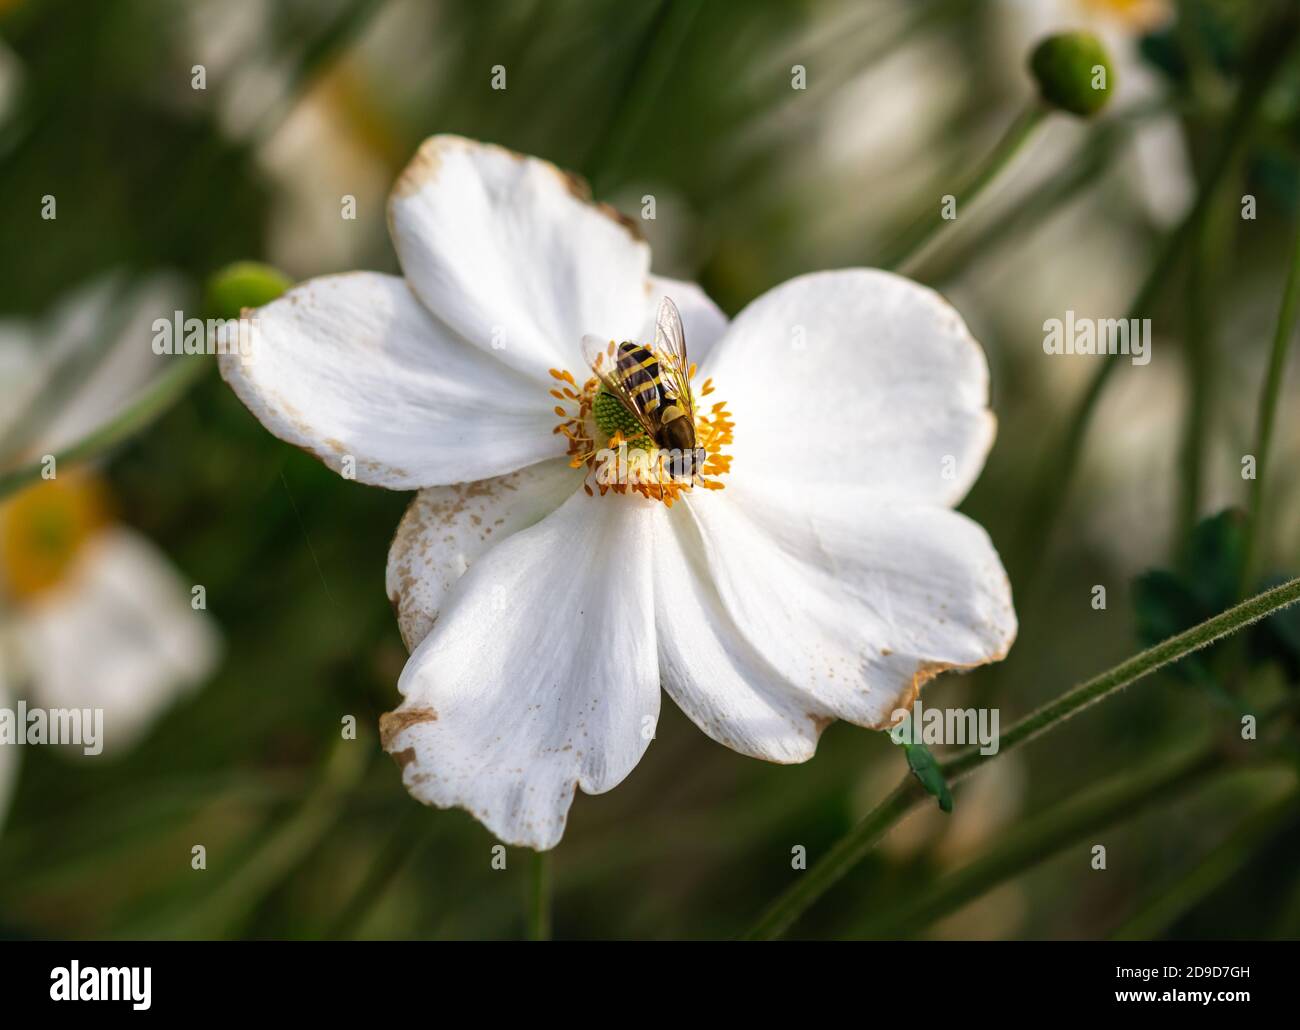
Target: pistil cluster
<point x="623" y="462"/>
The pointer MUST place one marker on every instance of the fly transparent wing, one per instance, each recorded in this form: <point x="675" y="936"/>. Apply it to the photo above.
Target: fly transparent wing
<point x="670" y="350"/>
<point x="670" y="335"/>
<point x="602" y="356"/>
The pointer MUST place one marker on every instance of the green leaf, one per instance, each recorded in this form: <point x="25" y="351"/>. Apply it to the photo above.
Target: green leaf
<point x="926" y="769"/>
<point x="1164" y="605"/>
<point x="1286" y="627"/>
<point x="1277" y="639"/>
<point x="1212" y="560"/>
<point x="1167" y="602"/>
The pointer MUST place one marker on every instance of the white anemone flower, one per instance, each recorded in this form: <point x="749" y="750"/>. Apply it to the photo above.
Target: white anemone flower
<point x="813" y="570"/>
<point x="92" y="614"/>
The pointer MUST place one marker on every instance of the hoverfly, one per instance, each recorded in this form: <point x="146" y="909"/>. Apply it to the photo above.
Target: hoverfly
<point x="653" y="384"/>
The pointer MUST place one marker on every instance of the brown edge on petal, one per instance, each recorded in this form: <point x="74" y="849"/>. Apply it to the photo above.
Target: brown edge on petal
<point x="392" y="724"/>
<point x="398" y="594"/>
<point x="263" y="404"/>
<point x="424" y="166"/>
<point x="925" y="672"/>
<point x="404" y="758"/>
<point x="821" y="723"/>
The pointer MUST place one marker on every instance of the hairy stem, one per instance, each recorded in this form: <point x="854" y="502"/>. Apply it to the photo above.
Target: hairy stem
<point x="851" y="848"/>
<point x="1030" y="843"/>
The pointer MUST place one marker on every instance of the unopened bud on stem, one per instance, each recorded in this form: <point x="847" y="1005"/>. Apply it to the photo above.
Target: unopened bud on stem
<point x="1074" y="72"/>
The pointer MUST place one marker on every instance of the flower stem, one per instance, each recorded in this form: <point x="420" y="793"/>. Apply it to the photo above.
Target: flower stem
<point x="539" y="897"/>
<point x="1047" y="496"/>
<point x="909" y="247"/>
<point x="1132" y="669"/>
<point x="1268" y="405"/>
<point x="165" y="391"/>
<point x="850" y="850"/>
<point x="1082" y="170"/>
<point x="1025" y="846"/>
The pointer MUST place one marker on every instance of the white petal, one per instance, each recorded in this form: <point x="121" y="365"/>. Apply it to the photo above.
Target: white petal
<point x="720" y="680"/>
<point x="353" y="365"/>
<point x="540" y="674"/>
<point x="703" y="320"/>
<point x="111" y="374"/>
<point x="448" y="528"/>
<point x="857" y="376"/>
<point x="858" y="601"/>
<point x="119" y="634"/>
<point x="93" y="355"/>
<point x="509" y="250"/>
<point x="22" y="375"/>
<point x="1163" y="168"/>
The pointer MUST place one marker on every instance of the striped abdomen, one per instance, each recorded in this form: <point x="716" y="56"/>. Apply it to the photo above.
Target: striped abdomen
<point x="638" y="373"/>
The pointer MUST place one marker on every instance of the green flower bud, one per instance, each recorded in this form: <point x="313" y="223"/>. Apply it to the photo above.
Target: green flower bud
<point x="245" y="284"/>
<point x="1074" y="72"/>
<point x="611" y="416"/>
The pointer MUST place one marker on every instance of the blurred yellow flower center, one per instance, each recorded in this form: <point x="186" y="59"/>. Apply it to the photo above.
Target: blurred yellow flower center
<point x="1138" y="15"/>
<point x="43" y="528"/>
<point x="621" y="464"/>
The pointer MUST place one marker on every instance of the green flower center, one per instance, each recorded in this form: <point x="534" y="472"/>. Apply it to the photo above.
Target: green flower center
<point x="612" y="417"/>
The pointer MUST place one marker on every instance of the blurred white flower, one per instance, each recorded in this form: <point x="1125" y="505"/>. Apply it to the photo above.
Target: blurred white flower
<point x="333" y="140"/>
<point x="821" y="575"/>
<point x="318" y="159"/>
<point x="92" y="615"/>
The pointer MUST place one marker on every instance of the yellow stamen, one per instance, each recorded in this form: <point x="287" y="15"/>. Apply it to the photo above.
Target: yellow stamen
<point x="1138" y="16"/>
<point x="42" y="530"/>
<point x="636" y="470"/>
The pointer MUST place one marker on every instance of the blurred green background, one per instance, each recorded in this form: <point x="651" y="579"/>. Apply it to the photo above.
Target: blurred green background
<point x="306" y="102"/>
